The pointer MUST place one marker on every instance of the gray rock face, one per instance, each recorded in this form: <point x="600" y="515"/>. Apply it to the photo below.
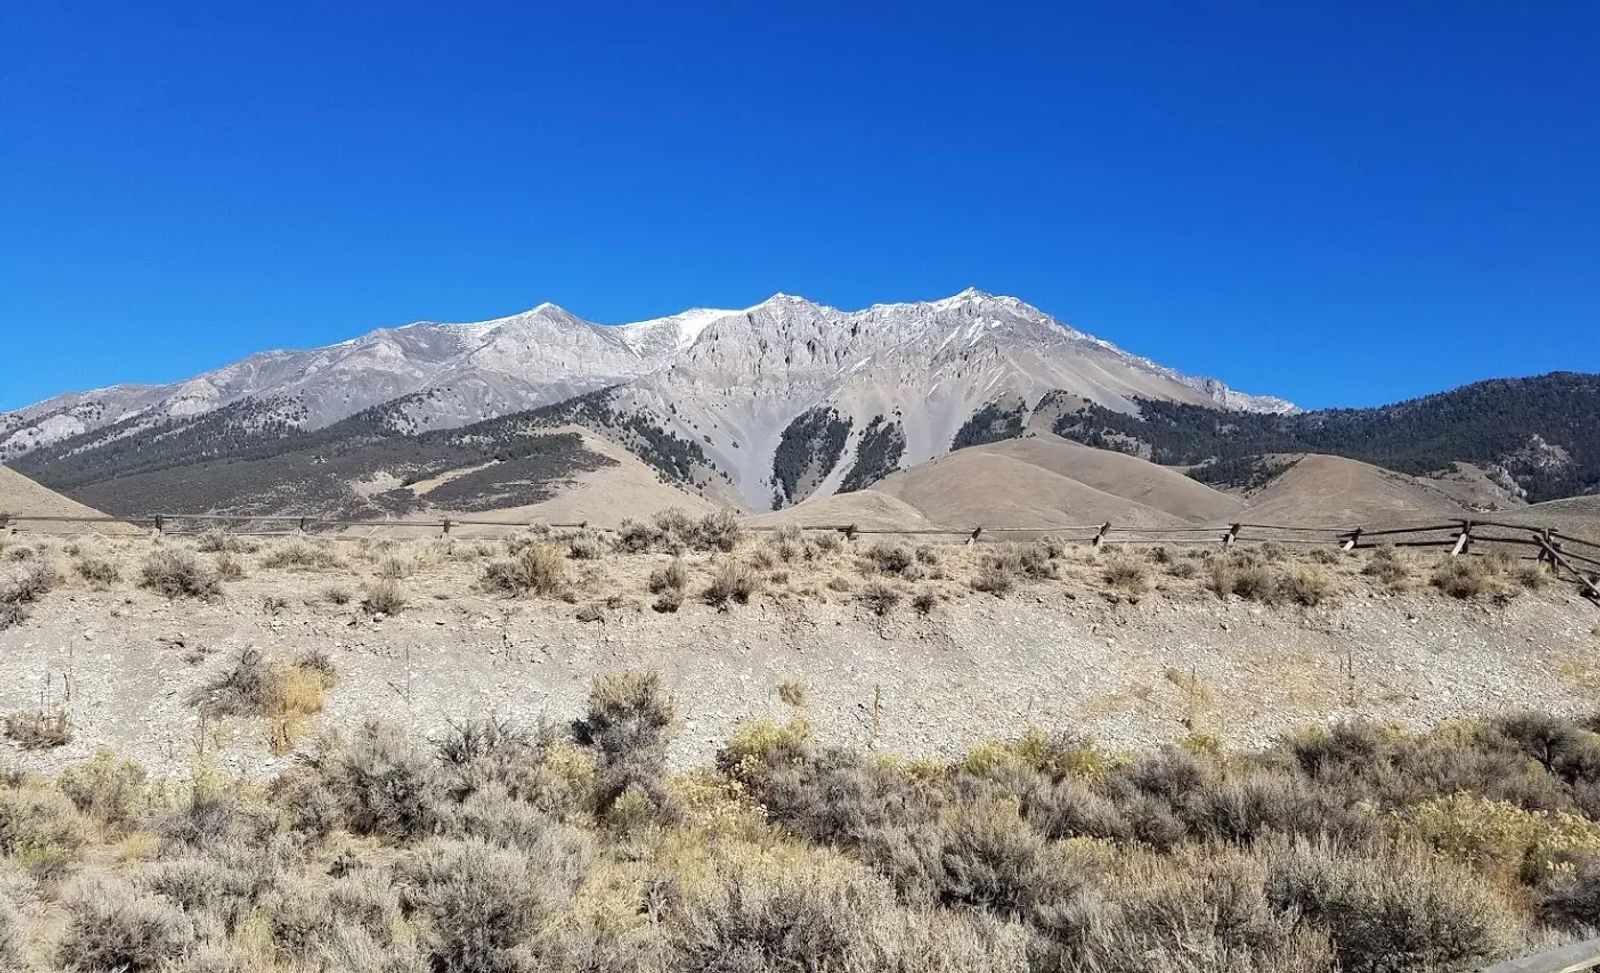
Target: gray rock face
<point x="730" y="380"/>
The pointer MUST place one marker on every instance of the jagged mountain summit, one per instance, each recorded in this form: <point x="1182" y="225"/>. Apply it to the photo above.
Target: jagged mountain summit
<point x="779" y="401"/>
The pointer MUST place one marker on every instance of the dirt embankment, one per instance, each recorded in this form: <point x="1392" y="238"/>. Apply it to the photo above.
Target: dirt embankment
<point x="1061" y="651"/>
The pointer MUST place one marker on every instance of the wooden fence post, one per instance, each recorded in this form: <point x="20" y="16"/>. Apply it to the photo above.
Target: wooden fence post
<point x="302" y="525"/>
<point x="160" y="523"/>
<point x="1463" y="539"/>
<point x="447" y="527"/>
<point x="1100" y="538"/>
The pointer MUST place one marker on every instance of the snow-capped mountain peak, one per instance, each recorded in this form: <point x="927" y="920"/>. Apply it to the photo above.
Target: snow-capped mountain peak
<point x="732" y="382"/>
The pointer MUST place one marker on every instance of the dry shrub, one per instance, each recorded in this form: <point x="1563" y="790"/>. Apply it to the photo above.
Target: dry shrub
<point x="788" y="543"/>
<point x="718" y="531"/>
<point x="925" y="601"/>
<point x="733" y="581"/>
<point x="26" y="589"/>
<point x="482" y="903"/>
<point x="1531" y="576"/>
<point x="674" y="532"/>
<point x="1499" y="838"/>
<point x="879" y="598"/>
<point x="985" y="855"/>
<point x="1388" y="565"/>
<point x="586" y="545"/>
<point x="286" y="695"/>
<point x="996" y="576"/>
<point x="177" y="573"/>
<point x="337" y="595"/>
<point x="114" y="926"/>
<point x="97" y="570"/>
<point x="1326" y="555"/>
<point x="1246" y="578"/>
<point x="534" y="534"/>
<point x="1569" y="896"/>
<point x="39" y="729"/>
<point x="1128" y="575"/>
<point x="41" y="830"/>
<point x="817" y="914"/>
<point x="108" y="789"/>
<point x="636" y="537"/>
<point x="382" y="783"/>
<point x="1467" y="577"/>
<point x="536" y="568"/>
<point x="672" y="576"/>
<point x="628" y="724"/>
<point x="229" y="567"/>
<point x="1211" y="907"/>
<point x="1183" y="570"/>
<point x="793" y="693"/>
<point x="890" y="558"/>
<point x="384" y="596"/>
<point x="222" y="542"/>
<point x="1305" y="585"/>
<point x="300" y="555"/>
<point x="1037" y="560"/>
<point x="14" y="891"/>
<point x="396" y="568"/>
<point x="1397" y="911"/>
<point x="669" y="600"/>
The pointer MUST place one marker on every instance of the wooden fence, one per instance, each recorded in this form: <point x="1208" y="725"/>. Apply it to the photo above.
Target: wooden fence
<point x="1565" y="555"/>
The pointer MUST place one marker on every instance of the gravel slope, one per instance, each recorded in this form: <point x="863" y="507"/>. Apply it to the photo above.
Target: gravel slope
<point x="1050" y="654"/>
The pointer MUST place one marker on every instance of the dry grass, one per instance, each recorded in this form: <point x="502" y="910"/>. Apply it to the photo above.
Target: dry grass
<point x="536" y="568"/>
<point x="284" y="694"/>
<point x="302" y="556"/>
<point x="1248" y="576"/>
<point x="731" y="582"/>
<point x="384" y="596"/>
<point x="793" y="693"/>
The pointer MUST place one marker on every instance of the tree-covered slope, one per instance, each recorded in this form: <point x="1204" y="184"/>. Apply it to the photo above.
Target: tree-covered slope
<point x="1542" y="432"/>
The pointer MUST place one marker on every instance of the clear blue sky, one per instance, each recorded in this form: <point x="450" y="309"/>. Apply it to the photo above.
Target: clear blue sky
<point x="1341" y="203"/>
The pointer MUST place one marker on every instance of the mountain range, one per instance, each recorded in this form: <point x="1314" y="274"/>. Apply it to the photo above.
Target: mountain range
<point x="761" y="408"/>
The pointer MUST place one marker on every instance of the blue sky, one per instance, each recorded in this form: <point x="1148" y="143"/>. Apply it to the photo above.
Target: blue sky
<point x="1340" y="203"/>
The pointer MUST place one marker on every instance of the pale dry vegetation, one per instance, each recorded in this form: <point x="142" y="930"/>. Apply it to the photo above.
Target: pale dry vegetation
<point x="286" y="694"/>
<point x="675" y="560"/>
<point x="177" y="573"/>
<point x="507" y="848"/>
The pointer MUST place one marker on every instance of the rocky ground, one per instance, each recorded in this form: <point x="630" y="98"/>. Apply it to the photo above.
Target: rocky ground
<point x="1070" y="652"/>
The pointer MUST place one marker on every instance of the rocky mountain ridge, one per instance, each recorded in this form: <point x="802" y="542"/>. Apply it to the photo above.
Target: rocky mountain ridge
<point x="734" y="381"/>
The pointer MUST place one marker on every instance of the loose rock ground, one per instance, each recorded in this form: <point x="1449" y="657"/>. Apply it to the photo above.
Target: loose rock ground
<point x="1058" y="654"/>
